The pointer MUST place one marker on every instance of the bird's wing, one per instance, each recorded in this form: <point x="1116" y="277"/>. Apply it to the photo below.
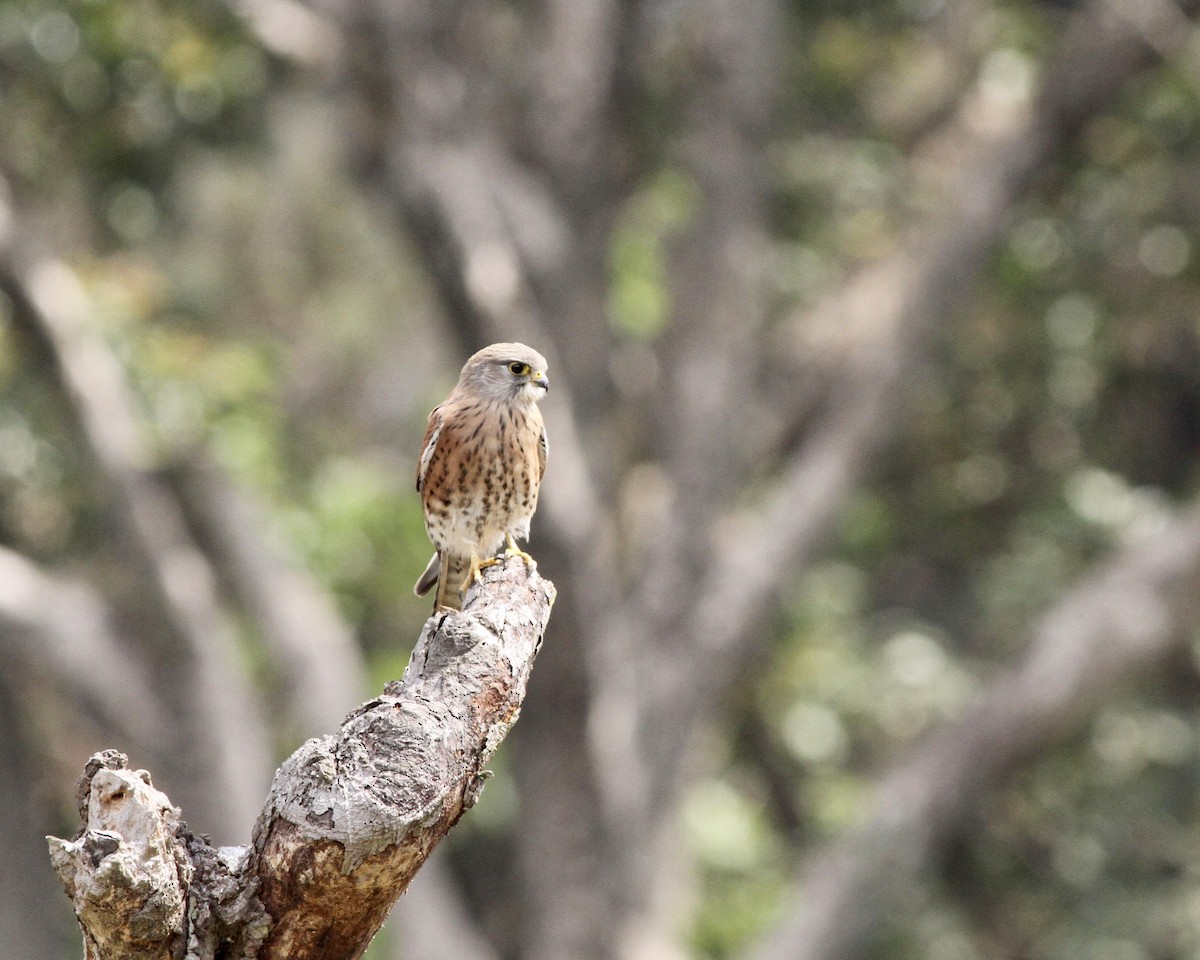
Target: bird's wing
<point x="432" y="432"/>
<point x="543" y="454"/>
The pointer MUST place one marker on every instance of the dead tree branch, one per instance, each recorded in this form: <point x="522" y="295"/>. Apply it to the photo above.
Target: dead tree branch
<point x="349" y="820"/>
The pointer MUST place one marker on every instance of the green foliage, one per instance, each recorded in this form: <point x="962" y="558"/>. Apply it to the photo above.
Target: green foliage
<point x="118" y="87"/>
<point x="1056" y="418"/>
<point x="132" y="121"/>
<point x="252" y="297"/>
<point x="638" y="303"/>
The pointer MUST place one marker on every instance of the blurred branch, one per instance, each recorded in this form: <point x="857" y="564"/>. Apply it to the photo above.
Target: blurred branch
<point x="483" y="223"/>
<point x="467" y="204"/>
<point x="696" y="422"/>
<point x="65" y="627"/>
<point x="511" y="238"/>
<point x="433" y="923"/>
<point x="349" y="820"/>
<point x="471" y="171"/>
<point x="311" y="646"/>
<point x="711" y="350"/>
<point x="226" y="734"/>
<point x="292" y="30"/>
<point x="725" y="586"/>
<point x="989" y="156"/>
<point x="32" y="925"/>
<point x="570" y="118"/>
<point x="1122" y="620"/>
<point x="1166" y="28"/>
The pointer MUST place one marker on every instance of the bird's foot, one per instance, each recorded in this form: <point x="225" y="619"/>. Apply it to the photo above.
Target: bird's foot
<point x="512" y="550"/>
<point x="476" y="573"/>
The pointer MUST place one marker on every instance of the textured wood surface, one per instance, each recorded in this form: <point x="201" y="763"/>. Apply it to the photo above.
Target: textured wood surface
<point x="350" y="817"/>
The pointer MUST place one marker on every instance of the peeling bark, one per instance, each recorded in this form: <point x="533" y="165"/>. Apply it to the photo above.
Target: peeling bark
<point x="350" y="817"/>
<point x="127" y="873"/>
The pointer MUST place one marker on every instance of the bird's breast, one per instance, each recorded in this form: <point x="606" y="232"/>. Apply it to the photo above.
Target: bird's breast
<point x="483" y="483"/>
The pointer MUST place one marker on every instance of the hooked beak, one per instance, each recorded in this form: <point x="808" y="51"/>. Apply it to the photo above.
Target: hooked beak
<point x="539" y="377"/>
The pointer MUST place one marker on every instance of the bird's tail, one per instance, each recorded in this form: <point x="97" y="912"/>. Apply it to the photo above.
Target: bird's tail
<point x="449" y="577"/>
<point x="429" y="577"/>
<point x="455" y="570"/>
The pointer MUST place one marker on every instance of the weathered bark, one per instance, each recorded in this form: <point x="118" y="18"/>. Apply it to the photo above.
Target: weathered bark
<point x="349" y="820"/>
<point x="128" y="872"/>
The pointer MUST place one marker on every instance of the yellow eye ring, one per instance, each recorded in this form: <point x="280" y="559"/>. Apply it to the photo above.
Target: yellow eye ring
<point x="518" y="369"/>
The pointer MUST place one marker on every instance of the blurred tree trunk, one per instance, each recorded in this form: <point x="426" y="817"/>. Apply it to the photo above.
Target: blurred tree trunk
<point x="1124" y="619"/>
<point x="209" y="693"/>
<point x="25" y="885"/>
<point x="699" y="461"/>
<point x="508" y="154"/>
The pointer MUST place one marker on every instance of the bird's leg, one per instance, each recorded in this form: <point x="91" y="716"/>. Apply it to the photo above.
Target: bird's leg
<point x="476" y="573"/>
<point x="514" y="551"/>
<point x="477" y="564"/>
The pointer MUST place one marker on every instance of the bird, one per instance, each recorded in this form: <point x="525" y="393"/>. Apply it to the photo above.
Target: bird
<point x="481" y="466"/>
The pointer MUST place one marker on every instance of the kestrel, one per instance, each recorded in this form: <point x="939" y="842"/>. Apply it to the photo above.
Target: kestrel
<point x="481" y="465"/>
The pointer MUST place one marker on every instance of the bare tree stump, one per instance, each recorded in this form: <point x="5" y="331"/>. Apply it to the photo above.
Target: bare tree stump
<point x="349" y="819"/>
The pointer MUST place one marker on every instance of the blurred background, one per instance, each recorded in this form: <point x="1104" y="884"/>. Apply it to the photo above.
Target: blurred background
<point x="874" y="422"/>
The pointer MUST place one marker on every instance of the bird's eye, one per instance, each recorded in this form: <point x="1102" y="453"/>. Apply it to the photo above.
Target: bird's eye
<point x="518" y="368"/>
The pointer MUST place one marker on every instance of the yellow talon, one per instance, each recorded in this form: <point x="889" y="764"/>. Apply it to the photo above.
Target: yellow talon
<point x="514" y="551"/>
<point x="476" y="573"/>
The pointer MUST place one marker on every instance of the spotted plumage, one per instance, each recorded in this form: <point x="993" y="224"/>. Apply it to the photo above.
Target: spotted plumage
<point x="481" y="465"/>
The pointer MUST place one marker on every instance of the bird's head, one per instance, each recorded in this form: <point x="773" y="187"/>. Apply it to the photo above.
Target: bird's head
<point x="506" y="372"/>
